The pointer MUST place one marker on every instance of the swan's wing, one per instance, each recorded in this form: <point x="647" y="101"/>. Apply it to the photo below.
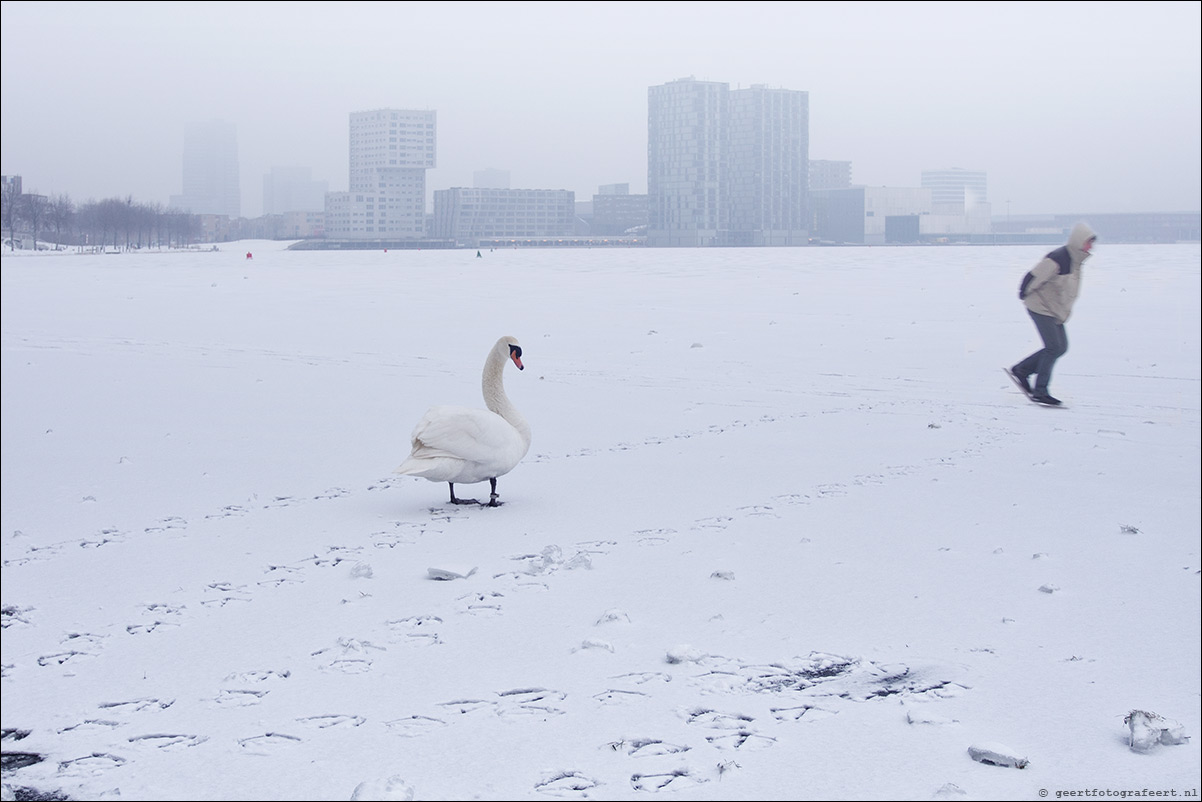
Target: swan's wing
<point x="466" y="433"/>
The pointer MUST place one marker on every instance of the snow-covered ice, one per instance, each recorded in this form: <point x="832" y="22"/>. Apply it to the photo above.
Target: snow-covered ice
<point x="781" y="534"/>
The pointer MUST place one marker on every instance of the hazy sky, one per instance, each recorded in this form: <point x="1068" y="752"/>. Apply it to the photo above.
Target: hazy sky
<point x="1069" y="107"/>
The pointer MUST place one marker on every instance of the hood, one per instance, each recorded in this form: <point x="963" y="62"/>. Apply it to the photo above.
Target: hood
<point x="1077" y="239"/>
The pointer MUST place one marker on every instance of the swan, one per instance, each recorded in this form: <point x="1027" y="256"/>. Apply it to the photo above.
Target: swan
<point x="465" y="445"/>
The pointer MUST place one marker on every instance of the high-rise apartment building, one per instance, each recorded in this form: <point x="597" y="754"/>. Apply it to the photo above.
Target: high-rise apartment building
<point x="686" y="125"/>
<point x="210" y="170"/>
<point x="292" y="189"/>
<point x="768" y="169"/>
<point x="390" y="151"/>
<point x="727" y="167"/>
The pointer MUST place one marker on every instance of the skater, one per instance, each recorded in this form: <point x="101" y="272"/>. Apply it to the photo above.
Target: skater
<point x="1048" y="290"/>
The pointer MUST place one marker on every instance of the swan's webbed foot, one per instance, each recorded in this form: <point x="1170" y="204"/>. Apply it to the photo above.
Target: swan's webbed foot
<point x="492" y="501"/>
<point x="460" y="500"/>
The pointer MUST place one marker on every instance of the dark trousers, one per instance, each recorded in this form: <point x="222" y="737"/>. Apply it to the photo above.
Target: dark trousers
<point x="1055" y="344"/>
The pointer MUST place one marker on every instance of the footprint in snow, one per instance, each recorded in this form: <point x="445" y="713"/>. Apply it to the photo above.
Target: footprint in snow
<point x="137" y="705"/>
<point x="801" y="713"/>
<point x="238" y="697"/>
<point x="416" y="630"/>
<point x="466" y="706"/>
<point x="647" y="747"/>
<point x="743" y="741"/>
<point x="331" y="720"/>
<point x="268" y="744"/>
<point x="92" y="725"/>
<point x="349" y="656"/>
<point x="92" y="765"/>
<point x="567" y="784"/>
<point x="668" y="781"/>
<point x="612" y="697"/>
<point x="485" y="603"/>
<point x="719" y="721"/>
<point x="278" y="575"/>
<point x="531" y="702"/>
<point x="168" y="741"/>
<point x="413" y="726"/>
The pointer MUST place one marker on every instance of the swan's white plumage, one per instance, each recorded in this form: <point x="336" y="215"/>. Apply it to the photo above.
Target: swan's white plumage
<point x="465" y="445"/>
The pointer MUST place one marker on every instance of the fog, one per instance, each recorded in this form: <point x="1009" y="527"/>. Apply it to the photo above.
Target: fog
<point x="1068" y="107"/>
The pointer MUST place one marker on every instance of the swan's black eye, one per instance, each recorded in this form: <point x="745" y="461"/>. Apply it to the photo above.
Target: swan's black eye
<point x="515" y="350"/>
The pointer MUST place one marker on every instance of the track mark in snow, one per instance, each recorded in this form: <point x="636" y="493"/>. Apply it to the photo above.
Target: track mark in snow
<point x="531" y="702"/>
<point x="167" y="524"/>
<point x="743" y="740"/>
<point x="717" y="721"/>
<point x="227" y="512"/>
<point x="417" y="630"/>
<point x="92" y="765"/>
<point x="103" y="538"/>
<point x="92" y="724"/>
<point x="647" y="747"/>
<point x="567" y="783"/>
<point x="348" y="655"/>
<point x="465" y="706"/>
<point x="61" y="657"/>
<point x="137" y="705"/>
<point x="413" y="726"/>
<point x="331" y="720"/>
<point x="801" y="713"/>
<point x="643" y="677"/>
<point x="226" y="592"/>
<point x="671" y="781"/>
<point x="268" y="744"/>
<point x="611" y="696"/>
<point x="168" y="741"/>
<point x="481" y="603"/>
<point x="238" y="697"/>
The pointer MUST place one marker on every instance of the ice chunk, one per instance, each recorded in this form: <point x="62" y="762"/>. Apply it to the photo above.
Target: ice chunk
<point x="1151" y="729"/>
<point x="995" y="754"/>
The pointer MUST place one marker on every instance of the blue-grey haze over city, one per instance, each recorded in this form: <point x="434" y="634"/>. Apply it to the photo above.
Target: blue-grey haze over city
<point x="1067" y="107"/>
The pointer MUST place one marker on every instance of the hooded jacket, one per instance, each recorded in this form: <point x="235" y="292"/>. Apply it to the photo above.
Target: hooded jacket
<point x="1051" y="287"/>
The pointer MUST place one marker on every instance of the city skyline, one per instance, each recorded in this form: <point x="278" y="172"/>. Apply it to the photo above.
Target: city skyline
<point x="1064" y="111"/>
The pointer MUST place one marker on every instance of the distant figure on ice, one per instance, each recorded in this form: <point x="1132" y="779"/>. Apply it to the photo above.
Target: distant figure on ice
<point x="1049" y="290"/>
<point x="478" y="256"/>
<point x="250" y="255"/>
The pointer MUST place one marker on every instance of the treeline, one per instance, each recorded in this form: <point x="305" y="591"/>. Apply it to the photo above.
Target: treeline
<point x="116" y="223"/>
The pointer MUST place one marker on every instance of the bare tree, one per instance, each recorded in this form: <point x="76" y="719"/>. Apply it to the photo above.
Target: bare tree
<point x="86" y="223"/>
<point x="61" y="214"/>
<point x="11" y="212"/>
<point x="154" y="212"/>
<point x="112" y="212"/>
<point x="34" y="211"/>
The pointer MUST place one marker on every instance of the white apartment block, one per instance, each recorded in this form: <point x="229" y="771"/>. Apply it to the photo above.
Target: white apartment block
<point x="469" y="215"/>
<point x="390" y="151"/>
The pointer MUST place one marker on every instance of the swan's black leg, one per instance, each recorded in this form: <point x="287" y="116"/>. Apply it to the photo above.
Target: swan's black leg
<point x="492" y="502"/>
<point x="460" y="500"/>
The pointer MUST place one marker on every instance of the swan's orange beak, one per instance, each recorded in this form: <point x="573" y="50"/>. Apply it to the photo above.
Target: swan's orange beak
<point x="517" y="360"/>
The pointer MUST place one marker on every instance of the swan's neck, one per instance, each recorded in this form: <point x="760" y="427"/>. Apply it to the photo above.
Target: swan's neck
<point x="494" y="393"/>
